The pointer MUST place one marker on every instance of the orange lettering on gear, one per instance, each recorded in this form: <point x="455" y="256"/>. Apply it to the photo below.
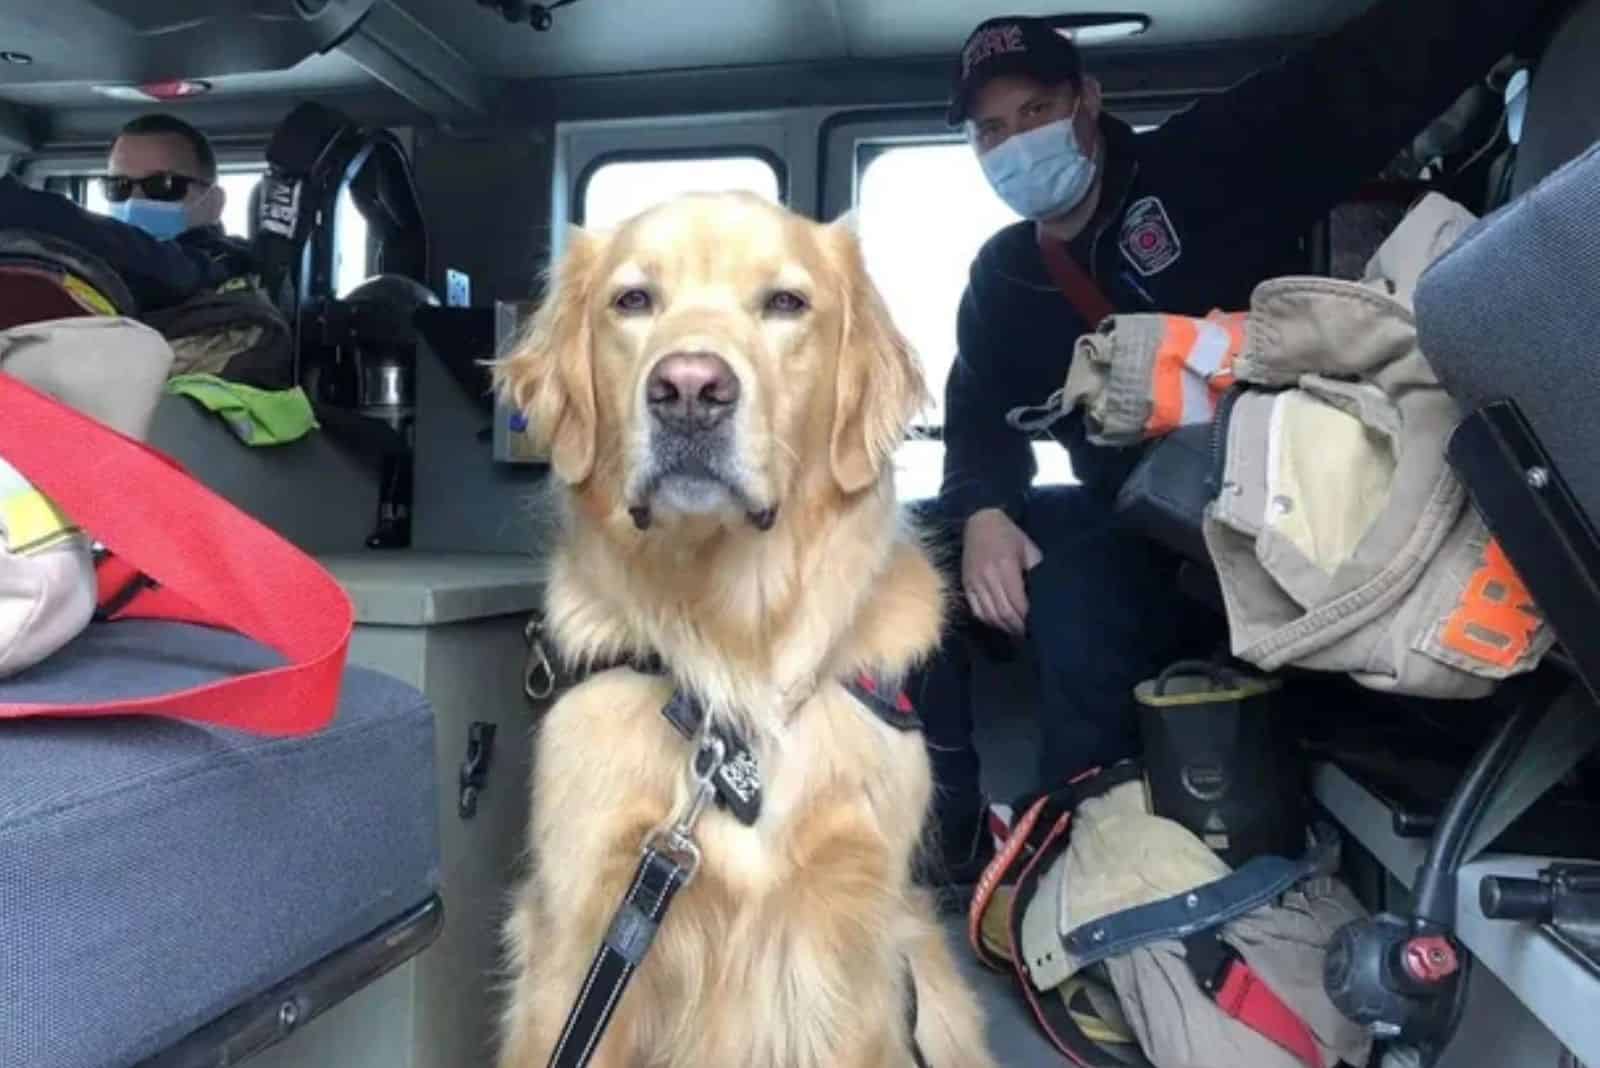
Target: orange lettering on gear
<point x="1178" y="336"/>
<point x="1495" y="620"/>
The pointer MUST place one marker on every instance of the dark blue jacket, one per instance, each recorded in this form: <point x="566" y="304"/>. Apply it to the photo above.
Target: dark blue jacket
<point x="1196" y="212"/>
<point x="159" y="274"/>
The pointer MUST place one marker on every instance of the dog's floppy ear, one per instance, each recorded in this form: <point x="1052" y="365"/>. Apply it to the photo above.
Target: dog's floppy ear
<point x="880" y="386"/>
<point x="549" y="375"/>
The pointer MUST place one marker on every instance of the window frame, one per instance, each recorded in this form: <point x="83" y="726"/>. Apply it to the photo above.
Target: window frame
<point x="866" y="151"/>
<point x="686" y="153"/>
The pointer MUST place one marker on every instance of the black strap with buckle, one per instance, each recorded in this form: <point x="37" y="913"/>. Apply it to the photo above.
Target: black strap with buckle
<point x="891" y="706"/>
<point x="1210" y="959"/>
<point x="632" y="931"/>
<point x="1235" y="988"/>
<point x="669" y="862"/>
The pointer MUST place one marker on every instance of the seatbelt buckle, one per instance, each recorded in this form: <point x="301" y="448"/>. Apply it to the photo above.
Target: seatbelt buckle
<point x="1228" y="980"/>
<point x="118" y="584"/>
<point x="1213" y="963"/>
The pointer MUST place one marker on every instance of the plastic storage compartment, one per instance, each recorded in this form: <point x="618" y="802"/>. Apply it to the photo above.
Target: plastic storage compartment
<point x="450" y="624"/>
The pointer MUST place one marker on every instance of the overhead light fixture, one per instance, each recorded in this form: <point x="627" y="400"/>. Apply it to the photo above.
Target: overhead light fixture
<point x="1100" y="29"/>
<point x="156" y="92"/>
<point x="21" y="59"/>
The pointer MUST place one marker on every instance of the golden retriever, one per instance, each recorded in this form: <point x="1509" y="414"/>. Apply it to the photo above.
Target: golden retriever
<point x="719" y="389"/>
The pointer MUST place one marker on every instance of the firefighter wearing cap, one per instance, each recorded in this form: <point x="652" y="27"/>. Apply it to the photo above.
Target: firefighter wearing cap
<point x="1183" y="218"/>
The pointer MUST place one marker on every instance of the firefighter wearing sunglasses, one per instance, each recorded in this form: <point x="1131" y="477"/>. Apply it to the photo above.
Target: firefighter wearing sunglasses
<point x="191" y="281"/>
<point x="165" y="237"/>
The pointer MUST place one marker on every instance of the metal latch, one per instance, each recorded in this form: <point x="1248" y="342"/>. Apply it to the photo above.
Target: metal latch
<point x="475" y="766"/>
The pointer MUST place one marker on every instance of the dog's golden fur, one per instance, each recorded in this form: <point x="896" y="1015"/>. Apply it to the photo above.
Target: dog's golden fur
<point x="792" y="946"/>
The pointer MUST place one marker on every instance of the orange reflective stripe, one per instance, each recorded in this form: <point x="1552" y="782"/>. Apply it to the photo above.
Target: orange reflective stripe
<point x="1166" y="394"/>
<point x="1496" y="620"/>
<point x="1193" y="367"/>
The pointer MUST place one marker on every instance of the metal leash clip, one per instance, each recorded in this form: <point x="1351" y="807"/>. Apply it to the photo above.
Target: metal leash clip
<point x="538" y="675"/>
<point x="676" y="838"/>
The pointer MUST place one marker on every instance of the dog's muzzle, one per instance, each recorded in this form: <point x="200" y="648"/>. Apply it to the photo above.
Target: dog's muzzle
<point x="691" y="399"/>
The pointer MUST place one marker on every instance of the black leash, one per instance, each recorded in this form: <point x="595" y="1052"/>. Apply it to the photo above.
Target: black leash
<point x="670" y="861"/>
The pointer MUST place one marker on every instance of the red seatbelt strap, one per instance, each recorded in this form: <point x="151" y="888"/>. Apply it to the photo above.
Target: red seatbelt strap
<point x="1073" y="281"/>
<point x="210" y="562"/>
<point x="1247" y="999"/>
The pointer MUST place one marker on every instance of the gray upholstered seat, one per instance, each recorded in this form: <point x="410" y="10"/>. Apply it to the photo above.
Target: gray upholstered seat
<point x="154" y="874"/>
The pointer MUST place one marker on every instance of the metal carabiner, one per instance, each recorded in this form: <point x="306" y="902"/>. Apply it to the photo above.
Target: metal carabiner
<point x="538" y="673"/>
<point x="676" y="837"/>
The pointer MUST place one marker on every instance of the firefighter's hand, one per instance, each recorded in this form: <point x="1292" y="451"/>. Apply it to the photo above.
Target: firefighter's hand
<point x="994" y="556"/>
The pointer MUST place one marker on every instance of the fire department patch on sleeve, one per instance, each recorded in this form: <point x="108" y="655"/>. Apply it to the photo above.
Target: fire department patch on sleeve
<point x="1149" y="240"/>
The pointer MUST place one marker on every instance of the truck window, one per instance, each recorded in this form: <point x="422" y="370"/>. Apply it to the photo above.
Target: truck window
<point x="619" y="188"/>
<point x="924" y="210"/>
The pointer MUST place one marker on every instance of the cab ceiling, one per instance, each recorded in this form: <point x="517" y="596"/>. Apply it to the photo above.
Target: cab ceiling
<point x="456" y="60"/>
<point x="615" y="36"/>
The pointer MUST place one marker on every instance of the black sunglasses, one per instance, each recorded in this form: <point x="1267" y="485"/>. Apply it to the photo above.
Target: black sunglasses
<point x="162" y="185"/>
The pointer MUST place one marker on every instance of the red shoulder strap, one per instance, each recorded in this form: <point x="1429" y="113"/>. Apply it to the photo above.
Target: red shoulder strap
<point x="1247" y="999"/>
<point x="1073" y="281"/>
<point x="211" y="562"/>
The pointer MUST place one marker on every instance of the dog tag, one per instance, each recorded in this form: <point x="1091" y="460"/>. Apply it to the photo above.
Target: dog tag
<point x="739" y="785"/>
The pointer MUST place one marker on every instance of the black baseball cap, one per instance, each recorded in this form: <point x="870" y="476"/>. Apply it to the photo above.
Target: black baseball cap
<point x="1011" y="44"/>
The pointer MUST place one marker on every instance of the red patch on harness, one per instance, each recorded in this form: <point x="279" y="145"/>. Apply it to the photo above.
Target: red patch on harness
<point x="902" y="702"/>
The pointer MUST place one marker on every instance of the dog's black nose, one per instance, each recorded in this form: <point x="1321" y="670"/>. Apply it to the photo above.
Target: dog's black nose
<point x="692" y="390"/>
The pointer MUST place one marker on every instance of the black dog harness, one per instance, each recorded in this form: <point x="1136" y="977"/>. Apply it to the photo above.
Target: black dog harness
<point x="723" y="771"/>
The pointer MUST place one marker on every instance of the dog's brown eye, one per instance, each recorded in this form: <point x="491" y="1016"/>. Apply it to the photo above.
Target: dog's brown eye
<point x="632" y="300"/>
<point x="786" y="302"/>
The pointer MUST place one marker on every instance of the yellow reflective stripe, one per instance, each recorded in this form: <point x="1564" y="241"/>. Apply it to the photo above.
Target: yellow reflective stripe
<point x="30" y="522"/>
<point x="87" y="295"/>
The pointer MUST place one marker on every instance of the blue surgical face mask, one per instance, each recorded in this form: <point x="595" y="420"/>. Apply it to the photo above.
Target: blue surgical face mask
<point x="164" y="219"/>
<point x="1040" y="174"/>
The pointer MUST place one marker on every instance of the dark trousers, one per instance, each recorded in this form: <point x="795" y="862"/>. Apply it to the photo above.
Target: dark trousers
<point x="1104" y="614"/>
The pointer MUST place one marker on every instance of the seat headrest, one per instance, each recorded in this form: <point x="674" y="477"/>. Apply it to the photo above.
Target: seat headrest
<point x="1562" y="118"/>
<point x="306" y="159"/>
<point x="306" y="137"/>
